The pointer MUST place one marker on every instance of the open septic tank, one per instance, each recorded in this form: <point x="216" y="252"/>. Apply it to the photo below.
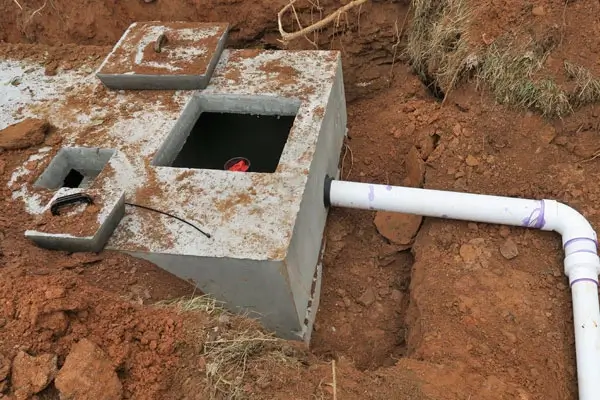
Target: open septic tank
<point x="236" y="145"/>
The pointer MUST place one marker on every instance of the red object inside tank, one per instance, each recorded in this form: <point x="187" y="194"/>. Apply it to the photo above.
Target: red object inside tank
<point x="240" y="166"/>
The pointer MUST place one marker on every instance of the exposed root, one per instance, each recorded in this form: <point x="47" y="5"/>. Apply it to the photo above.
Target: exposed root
<point x="334" y="378"/>
<point x="33" y="14"/>
<point x="287" y="36"/>
<point x="18" y="5"/>
<point x="347" y="150"/>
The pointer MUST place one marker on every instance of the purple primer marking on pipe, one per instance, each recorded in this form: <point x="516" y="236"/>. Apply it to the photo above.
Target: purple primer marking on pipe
<point x="371" y="192"/>
<point x="584" y="280"/>
<point x="536" y="218"/>
<point x="585" y="251"/>
<point x="388" y="188"/>
<point x="579" y="239"/>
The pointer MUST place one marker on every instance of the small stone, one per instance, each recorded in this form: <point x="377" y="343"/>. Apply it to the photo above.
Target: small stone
<point x="538" y="11"/>
<point x="556" y="273"/>
<point x="367" y="298"/>
<point x="415" y="168"/>
<point x="548" y="134"/>
<point x="57" y="322"/>
<point x="31" y="375"/>
<point x="561" y="140"/>
<point x="510" y="336"/>
<point x="468" y="252"/>
<point x="457" y="130"/>
<point x="459" y="174"/>
<point x="347" y="302"/>
<point x="55" y="292"/>
<point x="396" y="295"/>
<point x="472" y="161"/>
<point x="88" y="374"/>
<point x="472" y="226"/>
<point x="509" y="249"/>
<point x="504" y="231"/>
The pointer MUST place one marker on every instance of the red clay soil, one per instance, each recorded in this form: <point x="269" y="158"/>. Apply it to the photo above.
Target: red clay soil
<point x="565" y="26"/>
<point x="471" y="311"/>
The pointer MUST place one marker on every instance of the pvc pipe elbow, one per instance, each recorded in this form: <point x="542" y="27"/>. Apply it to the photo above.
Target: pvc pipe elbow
<point x="579" y="241"/>
<point x="568" y="222"/>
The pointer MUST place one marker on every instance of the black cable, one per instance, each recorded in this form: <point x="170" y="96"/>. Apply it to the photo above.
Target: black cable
<point x="172" y="216"/>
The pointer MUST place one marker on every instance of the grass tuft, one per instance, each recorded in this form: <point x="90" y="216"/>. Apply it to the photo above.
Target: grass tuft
<point x="437" y="45"/>
<point x="234" y="345"/>
<point x="510" y="76"/>
<point x="442" y="56"/>
<point x="587" y="87"/>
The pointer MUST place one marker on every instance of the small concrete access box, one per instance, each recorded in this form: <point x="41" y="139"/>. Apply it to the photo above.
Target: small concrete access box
<point x="154" y="55"/>
<point x="285" y="112"/>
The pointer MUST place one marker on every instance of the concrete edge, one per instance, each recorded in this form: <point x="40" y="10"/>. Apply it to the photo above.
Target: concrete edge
<point x="73" y="244"/>
<point x="163" y="81"/>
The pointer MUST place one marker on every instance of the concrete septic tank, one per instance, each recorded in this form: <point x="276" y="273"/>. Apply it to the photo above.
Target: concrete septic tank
<point x="284" y="111"/>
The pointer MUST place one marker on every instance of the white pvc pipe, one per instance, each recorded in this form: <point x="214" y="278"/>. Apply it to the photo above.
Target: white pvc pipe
<point x="582" y="264"/>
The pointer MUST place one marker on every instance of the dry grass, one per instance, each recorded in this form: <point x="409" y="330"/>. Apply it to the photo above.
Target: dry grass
<point x="510" y="76"/>
<point x="437" y="45"/>
<point x="234" y="345"/>
<point x="587" y="87"/>
<point x="443" y="56"/>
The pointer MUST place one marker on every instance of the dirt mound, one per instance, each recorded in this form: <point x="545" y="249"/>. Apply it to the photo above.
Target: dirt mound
<point x="526" y="54"/>
<point x="49" y="314"/>
<point x="27" y="133"/>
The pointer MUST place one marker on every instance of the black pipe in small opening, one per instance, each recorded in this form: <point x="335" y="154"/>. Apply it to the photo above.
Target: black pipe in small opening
<point x="327" y="191"/>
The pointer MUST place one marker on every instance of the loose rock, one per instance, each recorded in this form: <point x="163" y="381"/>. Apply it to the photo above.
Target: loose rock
<point x="24" y="134"/>
<point x="472" y="161"/>
<point x="31" y="375"/>
<point x="468" y="252"/>
<point x="538" y="11"/>
<point x="396" y="295"/>
<point x="415" y="168"/>
<point x="88" y="374"/>
<point x="57" y="322"/>
<point x="396" y="227"/>
<point x="509" y="249"/>
<point x="367" y="298"/>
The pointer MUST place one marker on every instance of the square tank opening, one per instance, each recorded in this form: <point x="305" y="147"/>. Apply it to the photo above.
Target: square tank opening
<point x="217" y="137"/>
<point x="74" y="167"/>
